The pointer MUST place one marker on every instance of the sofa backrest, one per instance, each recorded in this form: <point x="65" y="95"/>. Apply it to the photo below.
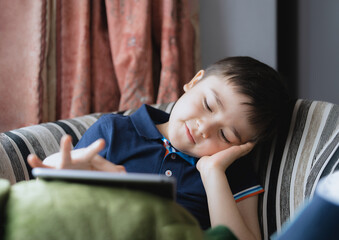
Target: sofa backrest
<point x="289" y="168"/>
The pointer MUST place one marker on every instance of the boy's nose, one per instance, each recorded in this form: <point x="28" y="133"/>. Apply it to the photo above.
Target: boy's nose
<point x="203" y="128"/>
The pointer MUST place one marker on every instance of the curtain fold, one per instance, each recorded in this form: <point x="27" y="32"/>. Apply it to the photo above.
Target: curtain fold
<point x="74" y="59"/>
<point x="22" y="52"/>
<point x="130" y="41"/>
<point x="105" y="88"/>
<point x="93" y="56"/>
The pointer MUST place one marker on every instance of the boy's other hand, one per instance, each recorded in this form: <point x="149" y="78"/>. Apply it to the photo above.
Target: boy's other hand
<point x="220" y="161"/>
<point x="83" y="159"/>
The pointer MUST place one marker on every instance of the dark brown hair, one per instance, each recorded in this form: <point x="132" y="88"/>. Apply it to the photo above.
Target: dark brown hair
<point x="262" y="84"/>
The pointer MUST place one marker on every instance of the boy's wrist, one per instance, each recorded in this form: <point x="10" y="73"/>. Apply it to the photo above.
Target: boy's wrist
<point x="208" y="170"/>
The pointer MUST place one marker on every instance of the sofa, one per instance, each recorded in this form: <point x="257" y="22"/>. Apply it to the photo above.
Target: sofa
<point x="288" y="167"/>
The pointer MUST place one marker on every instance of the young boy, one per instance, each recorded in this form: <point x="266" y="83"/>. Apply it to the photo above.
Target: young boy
<point x="225" y="110"/>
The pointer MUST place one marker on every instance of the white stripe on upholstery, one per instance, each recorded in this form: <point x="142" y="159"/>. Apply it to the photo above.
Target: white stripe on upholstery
<point x="157" y="105"/>
<point x="300" y="156"/>
<point x="267" y="182"/>
<point x="74" y="129"/>
<point x="27" y="142"/>
<point x="282" y="164"/>
<point x="86" y="121"/>
<point x="47" y="141"/>
<point x="325" y="164"/>
<point x="57" y="127"/>
<point x="22" y="161"/>
<point x="128" y="112"/>
<point x="316" y="141"/>
<point x="169" y="107"/>
<point x="6" y="169"/>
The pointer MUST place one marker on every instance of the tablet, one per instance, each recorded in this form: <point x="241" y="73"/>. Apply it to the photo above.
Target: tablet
<point x="160" y="185"/>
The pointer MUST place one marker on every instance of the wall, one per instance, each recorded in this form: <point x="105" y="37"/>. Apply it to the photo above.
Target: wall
<point x="319" y="50"/>
<point x="247" y="27"/>
<point x="233" y="27"/>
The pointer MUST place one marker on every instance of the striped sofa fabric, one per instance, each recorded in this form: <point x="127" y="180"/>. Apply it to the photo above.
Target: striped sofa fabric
<point x="289" y="168"/>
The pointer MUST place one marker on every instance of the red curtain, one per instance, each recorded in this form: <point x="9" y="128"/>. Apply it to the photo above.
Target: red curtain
<point x="22" y="51"/>
<point x="93" y="56"/>
<point x="120" y="54"/>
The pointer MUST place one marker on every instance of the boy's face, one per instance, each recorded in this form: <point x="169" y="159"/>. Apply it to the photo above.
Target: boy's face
<point x="209" y="117"/>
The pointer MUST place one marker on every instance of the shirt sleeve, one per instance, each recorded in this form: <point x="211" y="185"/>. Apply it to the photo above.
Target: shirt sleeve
<point x="101" y="129"/>
<point x="242" y="179"/>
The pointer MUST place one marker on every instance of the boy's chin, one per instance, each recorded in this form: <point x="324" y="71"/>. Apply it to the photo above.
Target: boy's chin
<point x="192" y="154"/>
<point x="187" y="152"/>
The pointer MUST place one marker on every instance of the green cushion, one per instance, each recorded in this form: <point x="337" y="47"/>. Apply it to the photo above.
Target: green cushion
<point x="4" y="192"/>
<point x="58" y="210"/>
<point x="219" y="233"/>
<point x="62" y="210"/>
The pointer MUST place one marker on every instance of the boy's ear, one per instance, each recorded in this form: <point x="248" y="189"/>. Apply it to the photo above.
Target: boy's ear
<point x="194" y="80"/>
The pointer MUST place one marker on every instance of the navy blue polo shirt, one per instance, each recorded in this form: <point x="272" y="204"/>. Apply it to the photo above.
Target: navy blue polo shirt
<point x="135" y="142"/>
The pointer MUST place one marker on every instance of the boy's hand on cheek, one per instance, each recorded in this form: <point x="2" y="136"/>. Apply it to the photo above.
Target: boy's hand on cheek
<point x="220" y="161"/>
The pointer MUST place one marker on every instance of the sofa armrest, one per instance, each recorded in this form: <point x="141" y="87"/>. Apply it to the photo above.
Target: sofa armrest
<point x="42" y="139"/>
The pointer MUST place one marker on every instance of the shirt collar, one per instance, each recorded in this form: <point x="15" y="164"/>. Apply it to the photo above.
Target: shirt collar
<point x="170" y="149"/>
<point x="145" y="119"/>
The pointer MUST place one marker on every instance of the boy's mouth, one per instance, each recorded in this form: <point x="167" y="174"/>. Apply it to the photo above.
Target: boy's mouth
<point x="189" y="135"/>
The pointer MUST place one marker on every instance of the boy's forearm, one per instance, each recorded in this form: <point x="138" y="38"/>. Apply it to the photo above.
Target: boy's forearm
<point x="222" y="207"/>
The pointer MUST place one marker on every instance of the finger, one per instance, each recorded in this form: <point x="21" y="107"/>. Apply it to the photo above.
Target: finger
<point x="35" y="162"/>
<point x="246" y="148"/>
<point x="65" y="149"/>
<point x="198" y="165"/>
<point x="93" y="149"/>
<point x="235" y="152"/>
<point x="241" y="150"/>
<point x="101" y="164"/>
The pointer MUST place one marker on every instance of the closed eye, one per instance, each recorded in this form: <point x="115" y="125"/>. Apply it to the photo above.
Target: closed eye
<point x="224" y="137"/>
<point x="207" y="106"/>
